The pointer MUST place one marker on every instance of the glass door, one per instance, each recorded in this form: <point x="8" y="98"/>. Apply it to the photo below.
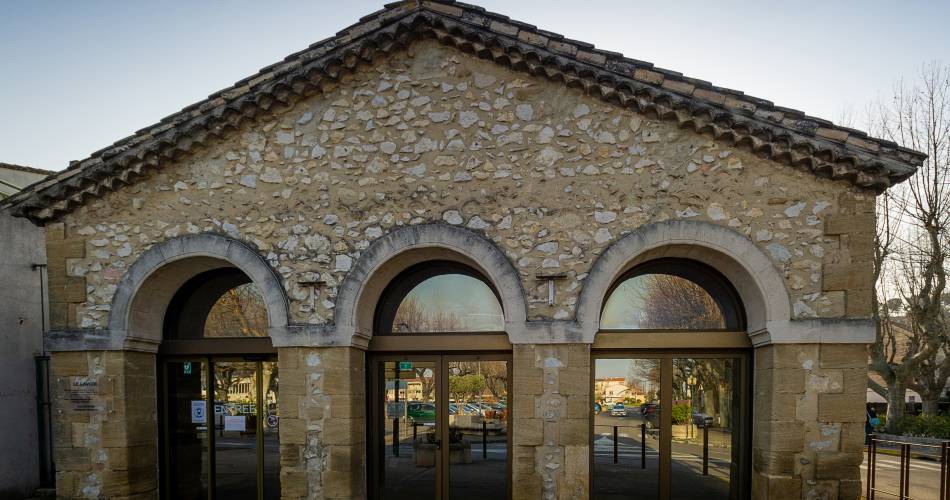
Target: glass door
<point x="220" y="429"/>
<point x="187" y="441"/>
<point x="439" y="427"/>
<point x="670" y="426"/>
<point x="478" y="428"/>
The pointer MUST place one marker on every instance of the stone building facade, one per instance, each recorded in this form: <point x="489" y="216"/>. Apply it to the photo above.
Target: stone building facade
<point x="438" y="131"/>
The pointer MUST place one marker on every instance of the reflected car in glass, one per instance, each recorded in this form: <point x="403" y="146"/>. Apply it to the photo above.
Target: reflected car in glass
<point x="421" y="412"/>
<point x="701" y="419"/>
<point x="618" y="410"/>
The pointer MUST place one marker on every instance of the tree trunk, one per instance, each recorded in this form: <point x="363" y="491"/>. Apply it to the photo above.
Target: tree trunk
<point x="895" y="404"/>
<point x="929" y="406"/>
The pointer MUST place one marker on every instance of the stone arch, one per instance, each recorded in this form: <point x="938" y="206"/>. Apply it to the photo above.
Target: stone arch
<point x="143" y="294"/>
<point x="759" y="284"/>
<point x="405" y="247"/>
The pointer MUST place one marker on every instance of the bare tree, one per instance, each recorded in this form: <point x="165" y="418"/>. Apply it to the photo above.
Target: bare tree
<point x="910" y="259"/>
<point x="672" y="302"/>
<point x="412" y="317"/>
<point x="239" y="312"/>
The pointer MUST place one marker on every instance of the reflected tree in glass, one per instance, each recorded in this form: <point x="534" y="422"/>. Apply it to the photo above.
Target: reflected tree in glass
<point x="239" y="312"/>
<point x="449" y="303"/>
<point x="662" y="302"/>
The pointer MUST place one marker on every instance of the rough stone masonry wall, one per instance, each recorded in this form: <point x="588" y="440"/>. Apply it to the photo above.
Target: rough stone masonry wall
<point x="549" y="175"/>
<point x="323" y="423"/>
<point x="432" y="134"/>
<point x="111" y="452"/>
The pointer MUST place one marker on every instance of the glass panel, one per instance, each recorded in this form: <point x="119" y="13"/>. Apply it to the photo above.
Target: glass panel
<point x="705" y="428"/>
<point x="661" y="301"/>
<point x="410" y="436"/>
<point x="449" y="303"/>
<point x="239" y="312"/>
<point x="235" y="442"/>
<point x="478" y="429"/>
<point x="187" y="429"/>
<point x="271" y="431"/>
<point x="626" y="428"/>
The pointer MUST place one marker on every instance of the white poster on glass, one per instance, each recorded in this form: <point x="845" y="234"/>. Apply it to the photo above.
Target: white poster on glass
<point x="234" y="423"/>
<point x="198" y="413"/>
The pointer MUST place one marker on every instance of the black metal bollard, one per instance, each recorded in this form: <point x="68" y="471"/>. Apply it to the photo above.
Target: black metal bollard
<point x="615" y="444"/>
<point x="414" y="424"/>
<point x="484" y="439"/>
<point x="705" y="450"/>
<point x="396" y="438"/>
<point x="872" y="458"/>
<point x="944" y="470"/>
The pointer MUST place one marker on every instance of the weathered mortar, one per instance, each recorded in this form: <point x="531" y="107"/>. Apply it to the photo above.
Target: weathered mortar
<point x="552" y="178"/>
<point x="549" y="175"/>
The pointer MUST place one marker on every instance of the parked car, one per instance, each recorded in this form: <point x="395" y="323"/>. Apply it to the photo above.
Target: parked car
<point x="618" y="410"/>
<point x="647" y="408"/>
<point x="651" y="415"/>
<point x="597" y="408"/>
<point x="701" y="419"/>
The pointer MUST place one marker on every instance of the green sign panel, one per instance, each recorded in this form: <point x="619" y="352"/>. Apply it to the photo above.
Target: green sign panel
<point x="405" y="365"/>
<point x="186" y="366"/>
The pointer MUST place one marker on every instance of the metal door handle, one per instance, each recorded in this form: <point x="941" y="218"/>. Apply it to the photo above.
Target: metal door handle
<point x="438" y="444"/>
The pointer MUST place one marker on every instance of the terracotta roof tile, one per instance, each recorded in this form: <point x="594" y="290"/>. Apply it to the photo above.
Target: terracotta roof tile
<point x="726" y="114"/>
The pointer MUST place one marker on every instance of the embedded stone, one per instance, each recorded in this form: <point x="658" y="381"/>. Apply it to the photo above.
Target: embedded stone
<point x="605" y="217"/>
<point x="524" y="112"/>
<point x="467" y="118"/>
<point x="452" y="217"/>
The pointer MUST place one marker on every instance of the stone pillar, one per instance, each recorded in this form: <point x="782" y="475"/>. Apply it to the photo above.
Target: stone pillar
<point x="809" y="417"/>
<point x="323" y="422"/>
<point x="105" y="447"/>
<point x="551" y="421"/>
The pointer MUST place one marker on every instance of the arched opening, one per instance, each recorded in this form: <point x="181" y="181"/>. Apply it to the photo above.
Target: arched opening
<point x="207" y="304"/>
<point x="439" y="382"/>
<point x="672" y="369"/>
<point x="218" y="401"/>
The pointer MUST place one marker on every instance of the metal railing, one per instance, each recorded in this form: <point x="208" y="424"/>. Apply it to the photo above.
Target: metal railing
<point x="903" y="485"/>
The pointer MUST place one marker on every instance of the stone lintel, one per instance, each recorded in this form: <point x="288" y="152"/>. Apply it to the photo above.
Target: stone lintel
<point x="809" y="331"/>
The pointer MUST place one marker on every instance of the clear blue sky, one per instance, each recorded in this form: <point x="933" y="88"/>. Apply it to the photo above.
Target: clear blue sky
<point x="77" y="76"/>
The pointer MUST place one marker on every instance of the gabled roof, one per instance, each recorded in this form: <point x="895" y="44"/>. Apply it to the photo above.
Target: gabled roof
<point x="781" y="134"/>
<point x="29" y="170"/>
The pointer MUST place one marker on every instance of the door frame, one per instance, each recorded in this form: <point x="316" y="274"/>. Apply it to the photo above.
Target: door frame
<point x="666" y="357"/>
<point x="207" y="361"/>
<point x="375" y="442"/>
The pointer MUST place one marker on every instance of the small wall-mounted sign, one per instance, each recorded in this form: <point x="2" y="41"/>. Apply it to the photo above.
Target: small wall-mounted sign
<point x="186" y="367"/>
<point x="405" y="365"/>
<point x="85" y="394"/>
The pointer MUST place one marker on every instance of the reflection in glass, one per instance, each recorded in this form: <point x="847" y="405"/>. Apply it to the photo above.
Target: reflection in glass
<point x="410" y="435"/>
<point x="705" y="427"/>
<point x="626" y="405"/>
<point x="478" y="429"/>
<point x="187" y="424"/>
<point x="238" y="312"/>
<point x="661" y="301"/>
<point x="449" y="303"/>
<point x="235" y="440"/>
<point x="271" y="431"/>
